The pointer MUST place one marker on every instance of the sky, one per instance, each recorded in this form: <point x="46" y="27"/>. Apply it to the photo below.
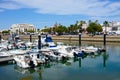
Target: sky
<point x="42" y="13"/>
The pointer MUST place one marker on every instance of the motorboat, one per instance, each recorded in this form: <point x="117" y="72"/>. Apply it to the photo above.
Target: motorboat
<point x="46" y="40"/>
<point x="5" y="54"/>
<point x="90" y="49"/>
<point x="68" y="51"/>
<point x="18" y="52"/>
<point x="36" y="56"/>
<point x="25" y="61"/>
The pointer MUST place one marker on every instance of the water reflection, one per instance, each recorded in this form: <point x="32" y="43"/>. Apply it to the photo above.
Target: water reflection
<point x="68" y="62"/>
<point x="87" y="67"/>
<point x="27" y="78"/>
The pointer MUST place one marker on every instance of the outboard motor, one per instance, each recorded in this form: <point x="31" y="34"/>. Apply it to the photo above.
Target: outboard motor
<point x="47" y="58"/>
<point x="75" y="55"/>
<point x="80" y="54"/>
<point x="31" y="64"/>
<point x="38" y="56"/>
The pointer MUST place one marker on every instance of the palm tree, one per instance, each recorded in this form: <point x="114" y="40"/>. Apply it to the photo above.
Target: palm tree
<point x="106" y="24"/>
<point x="80" y="25"/>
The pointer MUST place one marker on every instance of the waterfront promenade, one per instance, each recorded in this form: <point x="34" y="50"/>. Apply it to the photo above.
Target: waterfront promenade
<point x="97" y="38"/>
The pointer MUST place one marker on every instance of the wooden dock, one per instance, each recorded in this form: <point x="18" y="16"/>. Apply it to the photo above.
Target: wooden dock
<point x="6" y="59"/>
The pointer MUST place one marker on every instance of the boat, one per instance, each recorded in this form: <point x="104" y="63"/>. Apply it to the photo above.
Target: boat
<point x="69" y="51"/>
<point x="5" y="54"/>
<point x="90" y="49"/>
<point x="25" y="61"/>
<point x="46" y="40"/>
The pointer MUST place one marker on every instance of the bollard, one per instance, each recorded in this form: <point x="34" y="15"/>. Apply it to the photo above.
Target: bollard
<point x="0" y="38"/>
<point x="39" y="42"/>
<point x="30" y="38"/>
<point x="79" y="40"/>
<point x="46" y="38"/>
<point x="46" y="35"/>
<point x="104" y="39"/>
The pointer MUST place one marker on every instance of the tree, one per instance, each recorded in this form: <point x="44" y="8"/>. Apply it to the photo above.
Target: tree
<point x="73" y="28"/>
<point x="80" y="24"/>
<point x="6" y="32"/>
<point x="45" y="30"/>
<point x="30" y="31"/>
<point x="61" y="29"/>
<point x="94" y="27"/>
<point x="106" y="24"/>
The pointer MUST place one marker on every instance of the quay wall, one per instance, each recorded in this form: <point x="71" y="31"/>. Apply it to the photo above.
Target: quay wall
<point x="98" y="38"/>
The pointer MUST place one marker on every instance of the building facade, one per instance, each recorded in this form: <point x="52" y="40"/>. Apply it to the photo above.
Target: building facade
<point x="22" y="28"/>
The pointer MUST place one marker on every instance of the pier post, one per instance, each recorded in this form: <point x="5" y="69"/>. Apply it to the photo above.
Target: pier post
<point x="0" y="38"/>
<point x="46" y="37"/>
<point x="30" y="38"/>
<point x="104" y="39"/>
<point x="39" y="41"/>
<point x="79" y="39"/>
<point x="79" y="62"/>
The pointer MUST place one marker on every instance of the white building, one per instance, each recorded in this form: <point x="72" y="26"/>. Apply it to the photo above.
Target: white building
<point x="114" y="27"/>
<point x="17" y="28"/>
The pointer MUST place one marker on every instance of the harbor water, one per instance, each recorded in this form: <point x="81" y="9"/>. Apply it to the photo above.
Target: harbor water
<point x="103" y="66"/>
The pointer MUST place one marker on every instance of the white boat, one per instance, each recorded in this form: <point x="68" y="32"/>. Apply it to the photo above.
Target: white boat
<point x="90" y="49"/>
<point x="50" y="55"/>
<point x="46" y="41"/>
<point x="67" y="51"/>
<point x="2" y="49"/>
<point x="25" y="61"/>
<point x="18" y="52"/>
<point x="49" y="52"/>
<point x="5" y="54"/>
<point x="36" y="56"/>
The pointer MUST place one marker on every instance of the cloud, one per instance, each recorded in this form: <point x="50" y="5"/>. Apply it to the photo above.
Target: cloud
<point x="6" y="4"/>
<point x="67" y="7"/>
<point x="9" y="6"/>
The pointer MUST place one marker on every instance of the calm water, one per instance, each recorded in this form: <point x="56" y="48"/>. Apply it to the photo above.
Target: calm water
<point x="104" y="66"/>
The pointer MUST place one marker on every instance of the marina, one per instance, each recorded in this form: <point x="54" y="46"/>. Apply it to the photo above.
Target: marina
<point x="46" y="59"/>
<point x="59" y="40"/>
<point x="88" y="67"/>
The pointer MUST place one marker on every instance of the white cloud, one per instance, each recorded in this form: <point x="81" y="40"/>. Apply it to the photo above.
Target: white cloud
<point x="67" y="7"/>
<point x="9" y="6"/>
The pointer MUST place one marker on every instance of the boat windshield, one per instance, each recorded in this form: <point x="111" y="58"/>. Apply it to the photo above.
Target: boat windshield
<point x="48" y="39"/>
<point x="69" y="49"/>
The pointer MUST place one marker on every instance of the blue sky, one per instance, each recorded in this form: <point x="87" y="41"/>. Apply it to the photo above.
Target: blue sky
<point x="47" y="12"/>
